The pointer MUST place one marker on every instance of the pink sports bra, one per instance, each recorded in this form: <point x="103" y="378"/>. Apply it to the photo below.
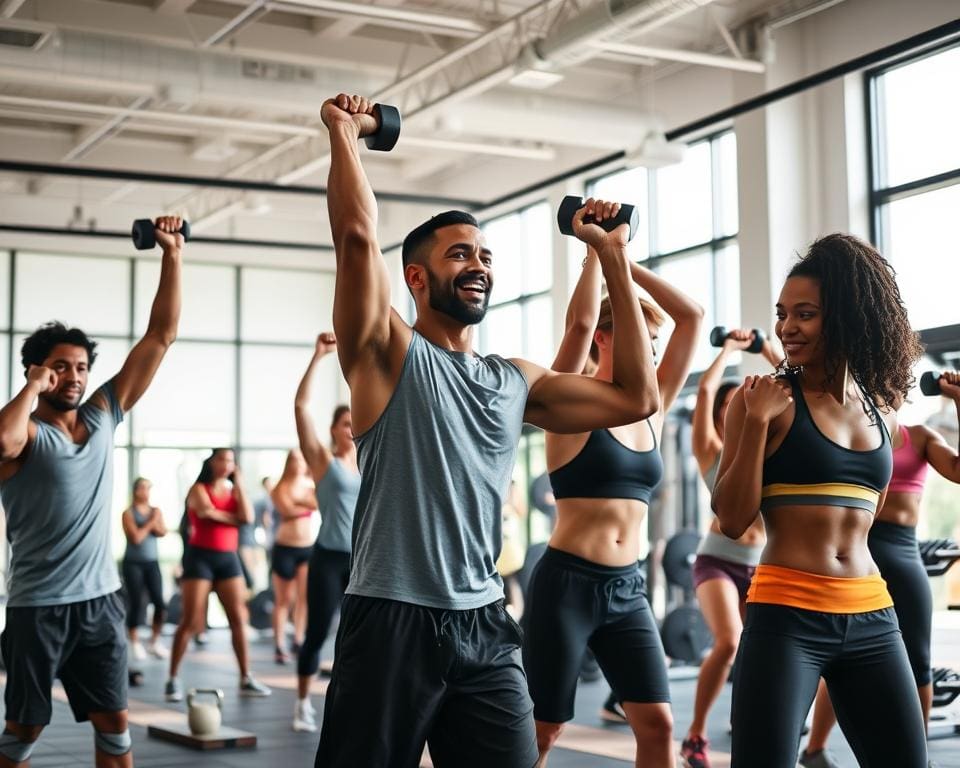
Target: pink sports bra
<point x="909" y="468"/>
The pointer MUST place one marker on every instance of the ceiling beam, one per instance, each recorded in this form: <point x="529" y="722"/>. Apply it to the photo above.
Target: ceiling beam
<point x="677" y="54"/>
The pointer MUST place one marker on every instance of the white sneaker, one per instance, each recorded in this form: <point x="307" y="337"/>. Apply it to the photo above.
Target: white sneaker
<point x="304" y="718"/>
<point x="158" y="650"/>
<point x="173" y="691"/>
<point x="138" y="651"/>
<point x="250" y="686"/>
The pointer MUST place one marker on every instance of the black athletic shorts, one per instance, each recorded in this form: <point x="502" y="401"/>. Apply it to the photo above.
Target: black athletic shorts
<point x="895" y="551"/>
<point x="84" y="644"/>
<point x="210" y="564"/>
<point x="784" y="652"/>
<point x="285" y="560"/>
<point x="575" y="604"/>
<point x="405" y="675"/>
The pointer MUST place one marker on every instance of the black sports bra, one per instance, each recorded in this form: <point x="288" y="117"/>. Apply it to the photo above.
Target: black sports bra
<point x="607" y="469"/>
<point x="810" y="469"/>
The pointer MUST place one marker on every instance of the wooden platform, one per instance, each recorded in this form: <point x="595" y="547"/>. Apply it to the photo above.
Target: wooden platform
<point x="225" y="738"/>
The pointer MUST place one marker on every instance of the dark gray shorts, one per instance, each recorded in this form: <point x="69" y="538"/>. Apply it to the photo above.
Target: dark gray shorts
<point x="84" y="644"/>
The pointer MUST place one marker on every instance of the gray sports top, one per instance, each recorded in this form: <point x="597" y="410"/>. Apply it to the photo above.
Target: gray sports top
<point x="337" y="494"/>
<point x="146" y="550"/>
<point x="710" y="476"/>
<point x="58" y="513"/>
<point x="435" y="468"/>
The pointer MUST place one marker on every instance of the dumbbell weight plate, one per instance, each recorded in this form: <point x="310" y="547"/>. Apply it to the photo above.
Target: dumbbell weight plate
<point x="930" y="383"/>
<point x="388" y="118"/>
<point x="144" y="234"/>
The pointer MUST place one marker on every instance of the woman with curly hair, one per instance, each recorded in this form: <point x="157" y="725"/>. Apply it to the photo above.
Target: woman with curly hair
<point x="810" y="449"/>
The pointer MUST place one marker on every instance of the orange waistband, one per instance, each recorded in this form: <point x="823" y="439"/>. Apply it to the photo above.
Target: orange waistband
<point x="813" y="592"/>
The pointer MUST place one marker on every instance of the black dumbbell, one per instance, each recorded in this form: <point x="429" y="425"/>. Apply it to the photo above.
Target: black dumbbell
<point x="144" y="237"/>
<point x="930" y="383"/>
<point x="720" y="333"/>
<point x="628" y="214"/>
<point x="385" y="139"/>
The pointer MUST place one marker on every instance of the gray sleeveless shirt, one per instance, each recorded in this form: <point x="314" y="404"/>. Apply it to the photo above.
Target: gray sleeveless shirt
<point x="58" y="513"/>
<point x="337" y="494"/>
<point x="146" y="550"/>
<point x="435" y="468"/>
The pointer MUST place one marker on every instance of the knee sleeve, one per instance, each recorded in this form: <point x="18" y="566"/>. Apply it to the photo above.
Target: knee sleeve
<point x="13" y="749"/>
<point x="115" y="744"/>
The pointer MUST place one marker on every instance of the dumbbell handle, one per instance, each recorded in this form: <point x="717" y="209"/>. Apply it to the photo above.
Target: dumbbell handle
<point x="720" y="334"/>
<point x="628" y="214"/>
<point x="144" y="235"/>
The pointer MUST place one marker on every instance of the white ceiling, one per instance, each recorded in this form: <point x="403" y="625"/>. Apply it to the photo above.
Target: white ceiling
<point x="231" y="88"/>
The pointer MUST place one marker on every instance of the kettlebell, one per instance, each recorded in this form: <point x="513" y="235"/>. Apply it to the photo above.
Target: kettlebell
<point x="204" y="719"/>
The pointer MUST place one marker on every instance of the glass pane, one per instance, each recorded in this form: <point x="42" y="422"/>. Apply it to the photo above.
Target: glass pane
<point x="270" y="376"/>
<point x="537" y="256"/>
<point x="923" y="238"/>
<point x="5" y="368"/>
<point x="286" y="306"/>
<point x="505" y="237"/>
<point x="693" y="276"/>
<point x="192" y="399"/>
<point x="4" y="289"/>
<point x="628" y="186"/>
<point x="728" y="290"/>
<point x="539" y="347"/>
<point x="729" y="212"/>
<point x="90" y="293"/>
<point x="920" y="121"/>
<point x="500" y="332"/>
<point x="172" y="472"/>
<point x="684" y="207"/>
<point x="209" y="300"/>
<point x="111" y="354"/>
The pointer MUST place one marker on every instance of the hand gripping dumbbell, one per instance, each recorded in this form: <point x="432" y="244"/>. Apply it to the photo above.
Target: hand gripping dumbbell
<point x="628" y="214"/>
<point x="145" y="237"/>
<point x="719" y="335"/>
<point x="930" y="383"/>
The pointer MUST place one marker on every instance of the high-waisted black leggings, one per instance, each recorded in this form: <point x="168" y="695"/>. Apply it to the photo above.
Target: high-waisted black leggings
<point x="895" y="551"/>
<point x="327" y="578"/>
<point x="783" y="654"/>
<point x="141" y="577"/>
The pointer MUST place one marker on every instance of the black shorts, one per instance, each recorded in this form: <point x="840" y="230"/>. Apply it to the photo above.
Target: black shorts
<point x="210" y="564"/>
<point x="285" y="560"/>
<point x="139" y="578"/>
<point x="405" y="675"/>
<point x="575" y="604"/>
<point x="783" y="654"/>
<point x="84" y="644"/>
<point x="895" y="551"/>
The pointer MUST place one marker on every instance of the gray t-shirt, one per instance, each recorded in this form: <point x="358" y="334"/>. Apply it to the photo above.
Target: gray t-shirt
<point x="435" y="468"/>
<point x="337" y="494"/>
<point x="146" y="550"/>
<point x="58" y="513"/>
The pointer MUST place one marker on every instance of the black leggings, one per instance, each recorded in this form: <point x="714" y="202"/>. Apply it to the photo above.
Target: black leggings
<point x="895" y="551"/>
<point x="327" y="578"/>
<point x="139" y="577"/>
<point x="784" y="652"/>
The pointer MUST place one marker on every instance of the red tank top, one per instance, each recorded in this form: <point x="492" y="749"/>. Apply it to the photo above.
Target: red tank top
<point x="212" y="534"/>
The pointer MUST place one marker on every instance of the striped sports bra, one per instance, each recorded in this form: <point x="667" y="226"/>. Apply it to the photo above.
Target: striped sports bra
<point x="810" y="469"/>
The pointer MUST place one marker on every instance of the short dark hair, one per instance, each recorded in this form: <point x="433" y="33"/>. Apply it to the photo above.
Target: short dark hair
<point x="37" y="346"/>
<point x="413" y="243"/>
<point x="721" y="394"/>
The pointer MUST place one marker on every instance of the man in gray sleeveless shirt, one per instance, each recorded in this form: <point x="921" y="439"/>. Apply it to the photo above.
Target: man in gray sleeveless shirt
<point x="425" y="651"/>
<point x="64" y="617"/>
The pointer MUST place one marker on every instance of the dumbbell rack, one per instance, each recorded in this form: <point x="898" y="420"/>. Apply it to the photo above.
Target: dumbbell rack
<point x="938" y="557"/>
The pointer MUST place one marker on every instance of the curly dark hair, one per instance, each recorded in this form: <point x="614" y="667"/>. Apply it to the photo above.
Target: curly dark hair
<point x="36" y="347"/>
<point x="865" y="321"/>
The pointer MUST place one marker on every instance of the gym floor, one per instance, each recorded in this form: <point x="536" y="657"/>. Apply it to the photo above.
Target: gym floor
<point x="587" y="741"/>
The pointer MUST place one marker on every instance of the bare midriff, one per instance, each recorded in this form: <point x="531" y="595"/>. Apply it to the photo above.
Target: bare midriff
<point x="603" y="531"/>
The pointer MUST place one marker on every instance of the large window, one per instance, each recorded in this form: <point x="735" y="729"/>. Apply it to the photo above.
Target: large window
<point x="519" y="322"/>
<point x="688" y="228"/>
<point x="246" y="335"/>
<point x="915" y="180"/>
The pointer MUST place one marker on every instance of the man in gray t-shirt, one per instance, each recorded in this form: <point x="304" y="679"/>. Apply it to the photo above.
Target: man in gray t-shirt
<point x="425" y="650"/>
<point x="64" y="617"/>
